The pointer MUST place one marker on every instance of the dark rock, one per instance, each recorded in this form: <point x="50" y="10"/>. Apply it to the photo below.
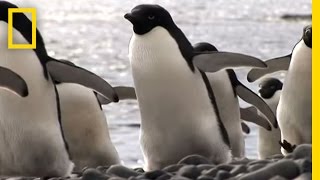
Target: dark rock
<point x="194" y="160"/>
<point x="278" y="178"/>
<point x="288" y="156"/>
<point x="189" y="171"/>
<point x="240" y="161"/>
<point x="164" y="177"/>
<point x="202" y="167"/>
<point x="238" y="169"/>
<point x="305" y="165"/>
<point x="93" y="174"/>
<point x="222" y="174"/>
<point x="304" y="176"/>
<point x="103" y="169"/>
<point x="256" y="167"/>
<point x="259" y="162"/>
<point x="122" y="171"/>
<point x="173" y="168"/>
<point x="179" y="178"/>
<point x="117" y="178"/>
<point x="226" y="167"/>
<point x="285" y="168"/>
<point x="205" y="177"/>
<point x="211" y="172"/>
<point x="303" y="151"/>
<point x="154" y="174"/>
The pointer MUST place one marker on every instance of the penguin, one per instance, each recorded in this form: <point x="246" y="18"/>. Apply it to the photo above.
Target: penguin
<point x="12" y="82"/>
<point x="178" y="111"/>
<point x="85" y="125"/>
<point x="32" y="142"/>
<point x="294" y="109"/>
<point x="268" y="141"/>
<point x="227" y="88"/>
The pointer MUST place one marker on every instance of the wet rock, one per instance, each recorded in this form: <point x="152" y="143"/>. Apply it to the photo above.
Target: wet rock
<point x="194" y="160"/>
<point x="189" y="171"/>
<point x="305" y="165"/>
<point x="93" y="174"/>
<point x="154" y="174"/>
<point x="256" y="167"/>
<point x="285" y="168"/>
<point x="303" y="151"/>
<point x="211" y="172"/>
<point x="238" y="169"/>
<point x="179" y="178"/>
<point x="222" y="174"/>
<point x="304" y="176"/>
<point x="122" y="171"/>
<point x="259" y="162"/>
<point x="205" y="177"/>
<point x="203" y="167"/>
<point x="173" y="168"/>
<point x="117" y="178"/>
<point x="226" y="167"/>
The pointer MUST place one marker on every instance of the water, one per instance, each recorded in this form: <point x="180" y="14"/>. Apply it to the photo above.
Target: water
<point x="93" y="34"/>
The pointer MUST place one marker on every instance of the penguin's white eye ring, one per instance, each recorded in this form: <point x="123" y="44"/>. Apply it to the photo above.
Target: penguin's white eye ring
<point x="151" y="17"/>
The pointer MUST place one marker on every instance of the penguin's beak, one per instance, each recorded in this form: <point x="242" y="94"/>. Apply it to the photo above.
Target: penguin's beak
<point x="129" y="17"/>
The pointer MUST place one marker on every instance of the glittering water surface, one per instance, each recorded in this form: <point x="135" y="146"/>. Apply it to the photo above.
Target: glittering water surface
<point x="93" y="34"/>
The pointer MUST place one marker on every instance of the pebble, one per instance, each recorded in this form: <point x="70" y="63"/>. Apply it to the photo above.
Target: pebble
<point x="238" y="169"/>
<point x="189" y="171"/>
<point x="222" y="174"/>
<point x="164" y="177"/>
<point x="122" y="171"/>
<point x="278" y="178"/>
<point x="173" y="168"/>
<point x="256" y="167"/>
<point x="194" y="160"/>
<point x="205" y="177"/>
<point x="305" y="165"/>
<point x="226" y="167"/>
<point x="303" y="151"/>
<point x="154" y="174"/>
<point x="211" y="172"/>
<point x="304" y="176"/>
<point x="93" y="174"/>
<point x="203" y="167"/>
<point x="286" y="168"/>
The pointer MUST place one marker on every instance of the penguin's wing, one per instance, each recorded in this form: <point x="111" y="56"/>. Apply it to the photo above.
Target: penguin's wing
<point x="252" y="98"/>
<point x="250" y="115"/>
<point x="215" y="61"/>
<point x="245" y="128"/>
<point x="12" y="81"/>
<point x="67" y="73"/>
<point x="123" y="92"/>
<point x="274" y="65"/>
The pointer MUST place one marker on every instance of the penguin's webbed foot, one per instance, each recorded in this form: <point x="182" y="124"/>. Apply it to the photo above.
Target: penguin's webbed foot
<point x="287" y="146"/>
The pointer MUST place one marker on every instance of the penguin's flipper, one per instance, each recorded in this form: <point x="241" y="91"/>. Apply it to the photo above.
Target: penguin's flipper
<point x="123" y="92"/>
<point x="12" y="81"/>
<point x="65" y="72"/>
<point x="245" y="128"/>
<point x="250" y="115"/>
<point x="252" y="98"/>
<point x="274" y="65"/>
<point x="215" y="61"/>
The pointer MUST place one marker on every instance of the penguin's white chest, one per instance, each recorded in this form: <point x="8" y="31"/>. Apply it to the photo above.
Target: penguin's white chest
<point x="294" y="109"/>
<point x="175" y="107"/>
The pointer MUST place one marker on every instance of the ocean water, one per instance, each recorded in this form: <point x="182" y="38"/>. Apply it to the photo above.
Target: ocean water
<point x="93" y="34"/>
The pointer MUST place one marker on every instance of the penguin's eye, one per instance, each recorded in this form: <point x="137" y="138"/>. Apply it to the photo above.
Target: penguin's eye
<point x="151" y="17"/>
<point x="308" y="32"/>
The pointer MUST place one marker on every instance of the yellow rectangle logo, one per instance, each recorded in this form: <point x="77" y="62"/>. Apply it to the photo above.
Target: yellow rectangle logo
<point x="10" y="28"/>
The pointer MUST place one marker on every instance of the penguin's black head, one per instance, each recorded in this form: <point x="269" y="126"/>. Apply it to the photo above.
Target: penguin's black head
<point x="269" y="86"/>
<point x="307" y="36"/>
<point x="145" y="17"/>
<point x="204" y="46"/>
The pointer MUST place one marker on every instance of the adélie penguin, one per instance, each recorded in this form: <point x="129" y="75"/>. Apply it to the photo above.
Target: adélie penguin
<point x="294" y="110"/>
<point x="85" y="125"/>
<point x="11" y="81"/>
<point x="31" y="141"/>
<point x="227" y="88"/>
<point x="178" y="111"/>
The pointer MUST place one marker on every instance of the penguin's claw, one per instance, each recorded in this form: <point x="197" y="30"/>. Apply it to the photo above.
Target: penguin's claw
<point x="287" y="146"/>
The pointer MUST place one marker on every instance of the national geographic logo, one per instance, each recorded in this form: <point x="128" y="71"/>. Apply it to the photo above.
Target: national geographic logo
<point x="33" y="12"/>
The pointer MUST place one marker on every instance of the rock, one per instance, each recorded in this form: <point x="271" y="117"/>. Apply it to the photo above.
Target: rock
<point x="304" y="176"/>
<point x="222" y="174"/>
<point x="93" y="174"/>
<point x="238" y="169"/>
<point x="303" y="151"/>
<point x="305" y="165"/>
<point x="189" y="171"/>
<point x="285" y="168"/>
<point x="264" y="161"/>
<point x="226" y="167"/>
<point x="154" y="174"/>
<point x="205" y="177"/>
<point x="240" y="161"/>
<point x="122" y="171"/>
<point x="117" y="178"/>
<point x="139" y="170"/>
<point x="278" y="178"/>
<point x="288" y="156"/>
<point x="256" y="167"/>
<point x="211" y="172"/>
<point x="203" y="167"/>
<point x="164" y="177"/>
<point x="179" y="178"/>
<point x="194" y="160"/>
<point x="102" y="169"/>
<point x="173" y="168"/>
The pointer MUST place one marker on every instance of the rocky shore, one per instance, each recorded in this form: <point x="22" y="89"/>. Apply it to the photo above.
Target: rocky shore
<point x="297" y="166"/>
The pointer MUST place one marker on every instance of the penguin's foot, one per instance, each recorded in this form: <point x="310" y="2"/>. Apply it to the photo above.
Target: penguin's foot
<point x="287" y="146"/>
